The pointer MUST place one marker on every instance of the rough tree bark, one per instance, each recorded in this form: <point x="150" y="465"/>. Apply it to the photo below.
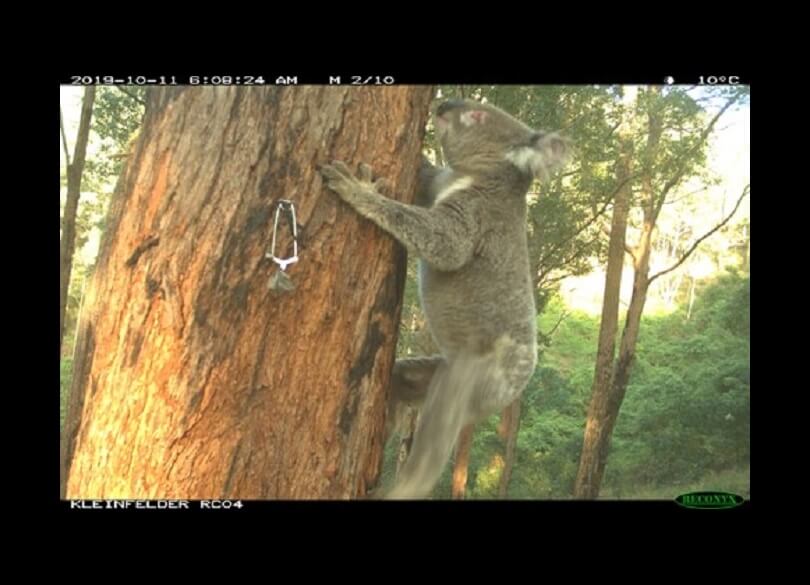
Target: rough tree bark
<point x="462" y="461"/>
<point x="192" y="379"/>
<point x="75" y="169"/>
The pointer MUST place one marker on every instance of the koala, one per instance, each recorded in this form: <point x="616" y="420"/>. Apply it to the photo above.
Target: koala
<point x="468" y="230"/>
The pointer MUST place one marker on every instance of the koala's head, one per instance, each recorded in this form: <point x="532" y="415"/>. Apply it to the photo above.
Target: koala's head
<point x="475" y="135"/>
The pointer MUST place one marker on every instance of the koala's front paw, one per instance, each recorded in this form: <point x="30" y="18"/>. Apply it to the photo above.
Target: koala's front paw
<point x="350" y="188"/>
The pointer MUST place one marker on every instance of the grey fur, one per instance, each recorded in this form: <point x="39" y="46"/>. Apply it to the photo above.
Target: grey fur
<point x="475" y="281"/>
<point x="431" y="182"/>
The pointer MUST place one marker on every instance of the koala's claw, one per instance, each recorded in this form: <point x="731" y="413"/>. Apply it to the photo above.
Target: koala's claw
<point x="336" y="171"/>
<point x="340" y="179"/>
<point x="365" y="173"/>
<point x="342" y="168"/>
<point x="382" y="186"/>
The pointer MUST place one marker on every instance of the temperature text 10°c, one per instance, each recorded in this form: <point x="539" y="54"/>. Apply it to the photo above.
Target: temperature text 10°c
<point x="719" y="79"/>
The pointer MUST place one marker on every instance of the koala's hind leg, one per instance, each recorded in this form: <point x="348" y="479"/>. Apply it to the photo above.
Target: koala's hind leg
<point x="409" y="386"/>
<point x="411" y="378"/>
<point x="462" y="391"/>
<point x="445" y="410"/>
<point x="513" y="366"/>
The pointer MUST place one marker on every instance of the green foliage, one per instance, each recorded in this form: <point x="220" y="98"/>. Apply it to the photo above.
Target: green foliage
<point x="684" y="425"/>
<point x="550" y="438"/>
<point x="117" y="115"/>
<point x="114" y="124"/>
<point x="65" y="378"/>
<point x="687" y="408"/>
<point x="414" y="338"/>
<point x="735" y="481"/>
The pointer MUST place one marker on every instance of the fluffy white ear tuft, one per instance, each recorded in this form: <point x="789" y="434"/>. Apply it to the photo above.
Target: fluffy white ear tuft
<point x="556" y="149"/>
<point x="547" y="153"/>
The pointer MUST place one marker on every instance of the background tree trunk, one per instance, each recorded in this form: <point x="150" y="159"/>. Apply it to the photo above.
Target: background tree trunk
<point x="192" y="379"/>
<point x="597" y="434"/>
<point x="510" y="421"/>
<point x="746" y="250"/>
<point x="462" y="462"/>
<point x="610" y="381"/>
<point x="408" y="429"/>
<point x="75" y="169"/>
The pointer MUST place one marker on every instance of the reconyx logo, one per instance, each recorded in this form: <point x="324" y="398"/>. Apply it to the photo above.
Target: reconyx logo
<point x="709" y="500"/>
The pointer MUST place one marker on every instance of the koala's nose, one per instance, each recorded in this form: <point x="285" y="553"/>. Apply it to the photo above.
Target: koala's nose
<point x="445" y="107"/>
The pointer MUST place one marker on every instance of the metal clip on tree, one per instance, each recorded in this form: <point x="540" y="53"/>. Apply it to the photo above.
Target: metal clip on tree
<point x="280" y="282"/>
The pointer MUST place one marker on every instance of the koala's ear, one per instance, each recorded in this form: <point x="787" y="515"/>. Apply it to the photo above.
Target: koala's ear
<point x="545" y="154"/>
<point x="474" y="117"/>
<point x="556" y="148"/>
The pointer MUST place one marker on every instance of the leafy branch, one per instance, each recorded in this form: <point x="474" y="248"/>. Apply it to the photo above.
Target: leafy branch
<point x="697" y="242"/>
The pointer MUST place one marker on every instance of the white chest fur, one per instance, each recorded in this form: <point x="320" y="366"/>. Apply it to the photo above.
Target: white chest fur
<point x="457" y="185"/>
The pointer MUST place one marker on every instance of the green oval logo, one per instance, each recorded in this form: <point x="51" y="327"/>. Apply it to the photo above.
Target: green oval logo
<point x="709" y="500"/>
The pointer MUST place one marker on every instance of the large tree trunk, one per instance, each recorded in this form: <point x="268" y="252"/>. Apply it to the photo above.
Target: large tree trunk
<point x="75" y="170"/>
<point x="192" y="379"/>
<point x="597" y="433"/>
